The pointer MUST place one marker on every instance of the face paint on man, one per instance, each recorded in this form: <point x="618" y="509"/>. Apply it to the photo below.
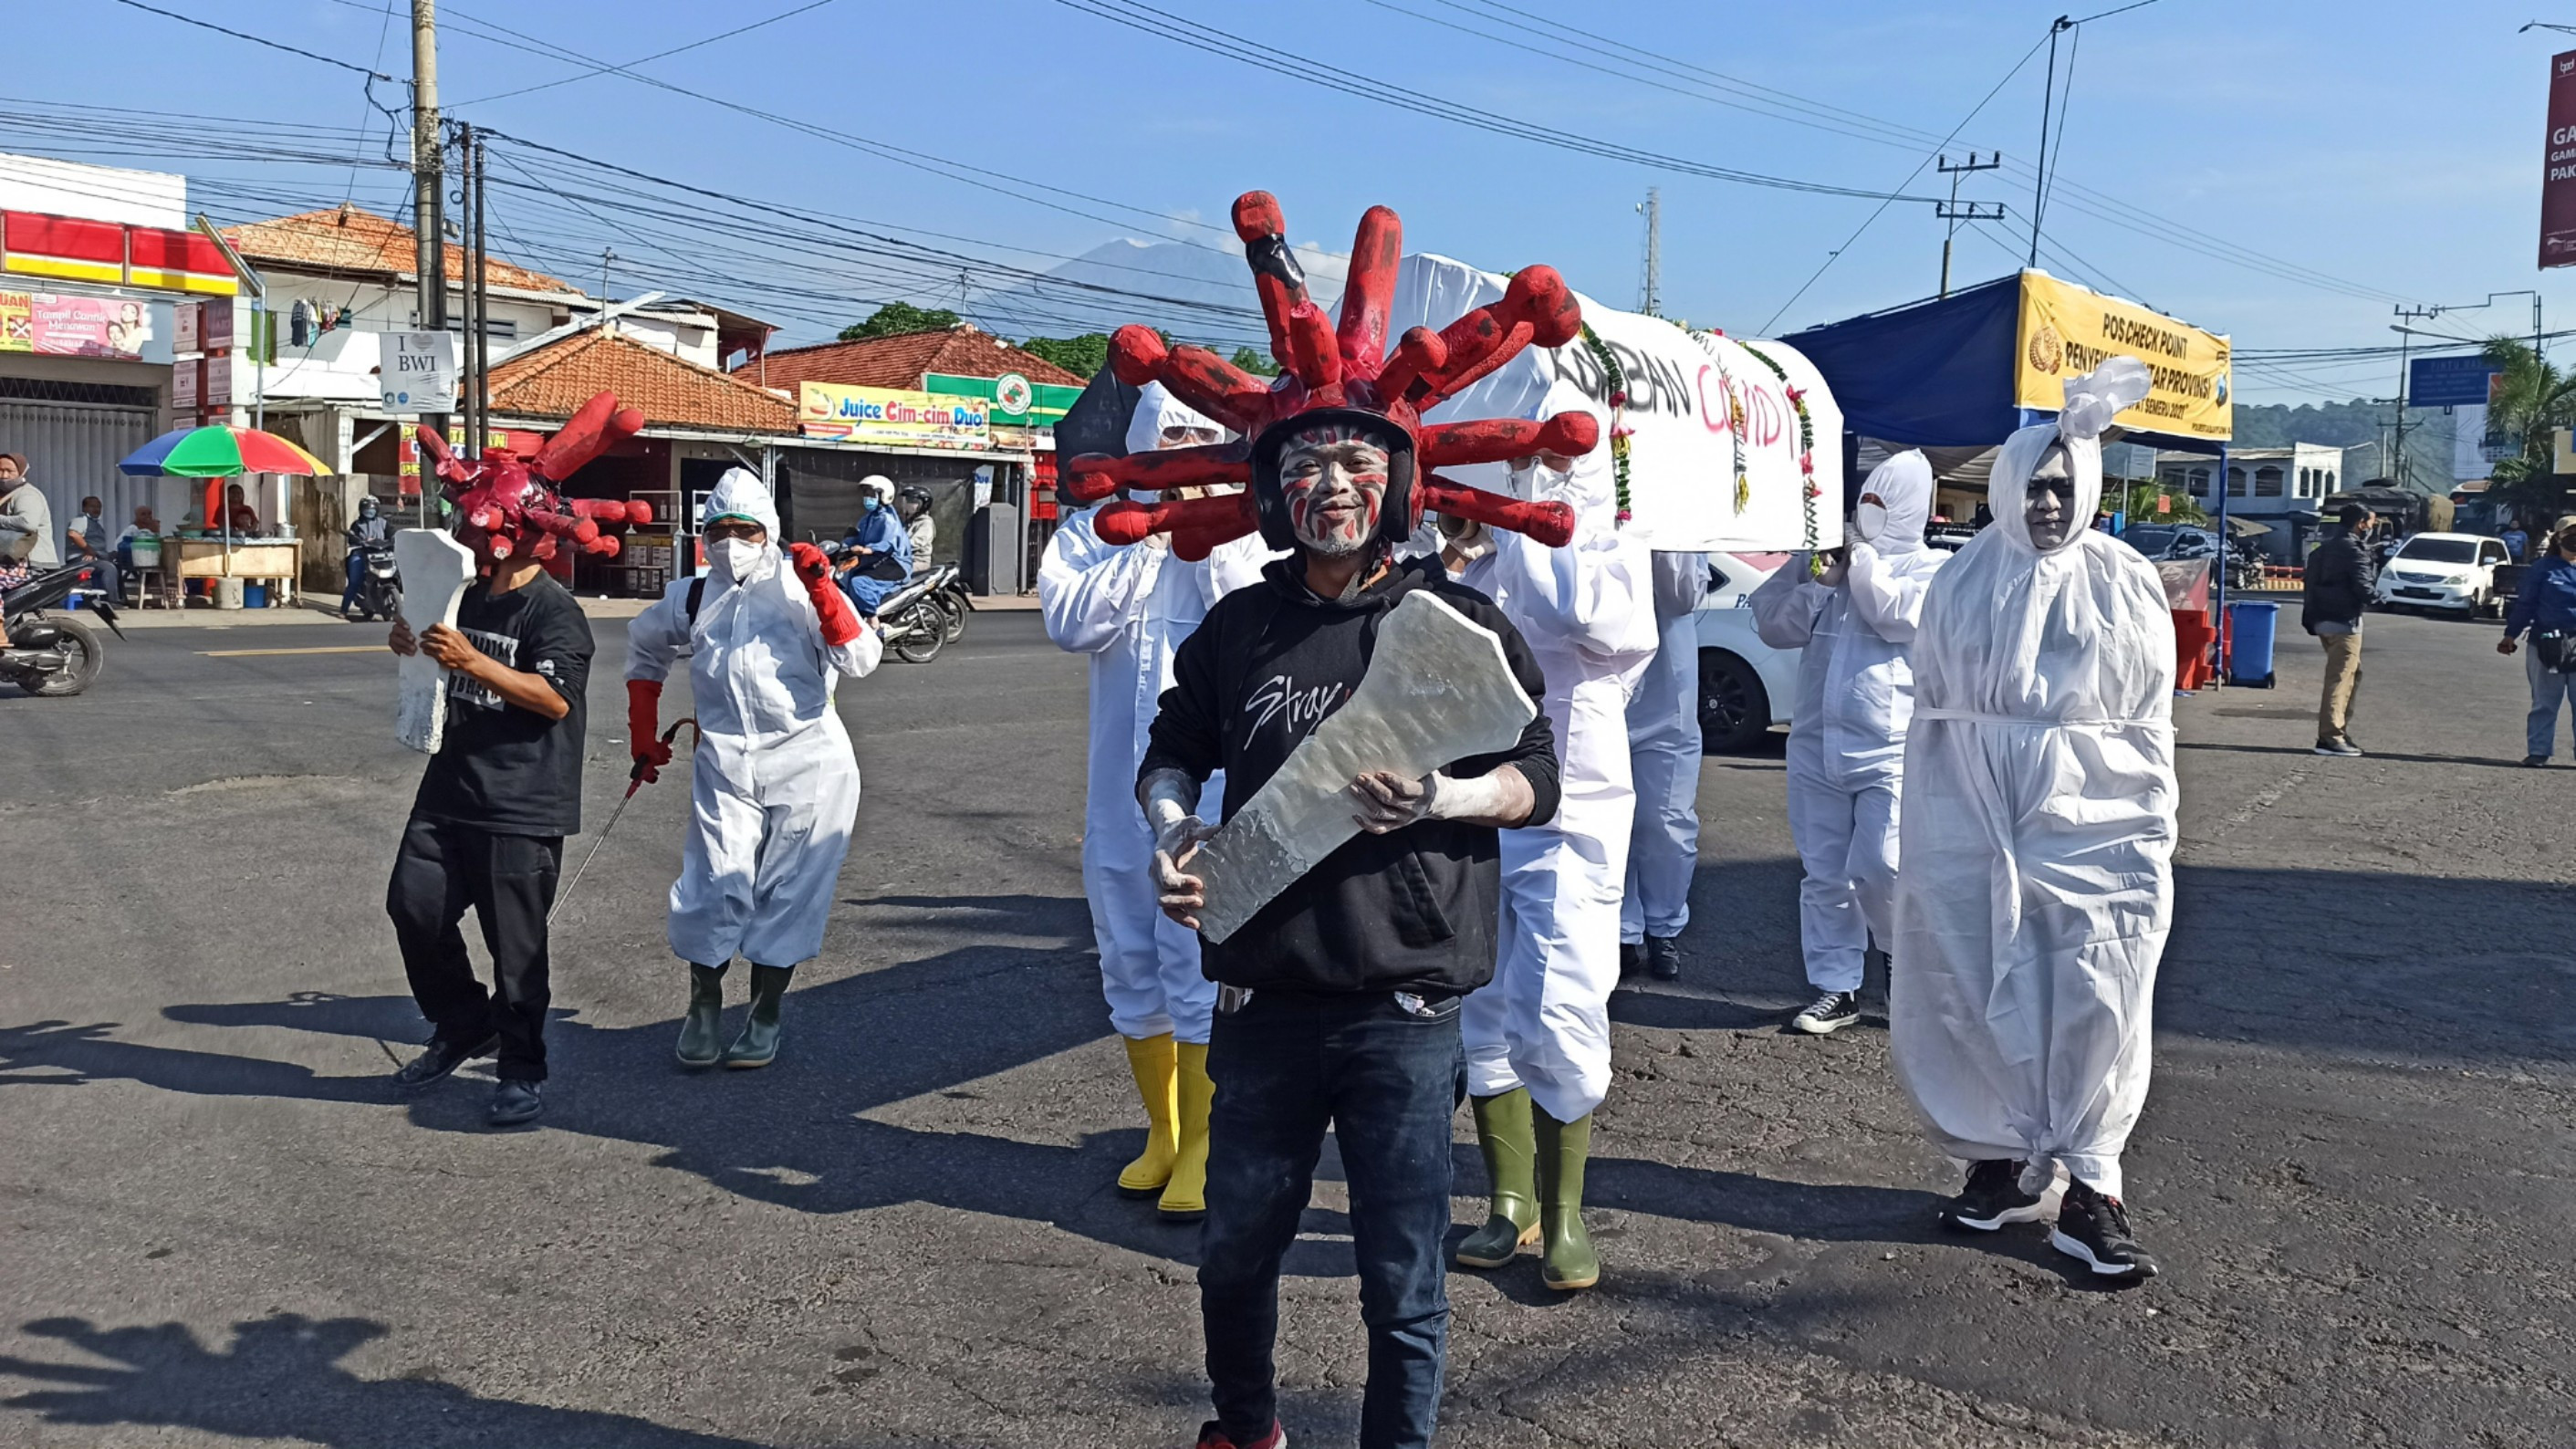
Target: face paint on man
<point x="2048" y="508"/>
<point x="1335" y="488"/>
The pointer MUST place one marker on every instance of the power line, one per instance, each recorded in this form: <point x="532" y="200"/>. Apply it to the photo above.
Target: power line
<point x="1836" y="254"/>
<point x="1551" y="36"/>
<point x="1180" y="30"/>
<point x="657" y="55"/>
<point x="253" y="39"/>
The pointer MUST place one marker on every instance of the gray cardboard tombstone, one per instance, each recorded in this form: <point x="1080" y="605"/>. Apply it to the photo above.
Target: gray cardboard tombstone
<point x="435" y="570"/>
<point x="1438" y="690"/>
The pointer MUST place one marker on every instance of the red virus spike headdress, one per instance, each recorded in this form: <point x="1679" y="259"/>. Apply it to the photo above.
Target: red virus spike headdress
<point x="512" y="503"/>
<point x="1342" y="376"/>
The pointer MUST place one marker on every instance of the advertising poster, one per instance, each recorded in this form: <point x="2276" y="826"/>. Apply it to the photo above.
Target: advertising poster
<point x="894" y="415"/>
<point x="67" y="326"/>
<point x="2067" y="331"/>
<point x="2558" y="166"/>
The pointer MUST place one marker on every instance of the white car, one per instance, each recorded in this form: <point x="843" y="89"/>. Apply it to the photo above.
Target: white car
<point x="1745" y="685"/>
<point x="2449" y="571"/>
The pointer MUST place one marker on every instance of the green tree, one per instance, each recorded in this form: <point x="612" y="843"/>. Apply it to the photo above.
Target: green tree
<point x="1083" y="356"/>
<point x="1256" y="362"/>
<point x="2529" y="402"/>
<point x="896" y="318"/>
<point x="2139" y="502"/>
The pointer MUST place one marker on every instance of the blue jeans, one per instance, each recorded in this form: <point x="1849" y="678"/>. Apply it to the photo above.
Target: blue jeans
<point x="1387" y="1080"/>
<point x="2548" y="688"/>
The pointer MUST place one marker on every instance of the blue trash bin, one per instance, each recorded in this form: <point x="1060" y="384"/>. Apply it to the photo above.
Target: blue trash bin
<point x="2250" y="627"/>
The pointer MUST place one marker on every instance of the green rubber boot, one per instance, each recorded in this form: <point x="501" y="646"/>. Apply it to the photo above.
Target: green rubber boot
<point x="1569" y="1261"/>
<point x="699" y="1030"/>
<point x="1503" y="1135"/>
<point x="758" y="1044"/>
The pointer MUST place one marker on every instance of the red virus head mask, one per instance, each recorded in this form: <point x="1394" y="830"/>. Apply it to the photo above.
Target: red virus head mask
<point x="507" y="506"/>
<point x="1335" y="449"/>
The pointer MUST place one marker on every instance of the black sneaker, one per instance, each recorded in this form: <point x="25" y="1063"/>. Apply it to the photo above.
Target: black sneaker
<point x="515" y="1104"/>
<point x="1632" y="959"/>
<point x="440" y="1059"/>
<point x="1992" y="1198"/>
<point x="2338" y="747"/>
<point x="2095" y="1228"/>
<point x="2537" y="762"/>
<point x="1832" y="1012"/>
<point x="1664" y="958"/>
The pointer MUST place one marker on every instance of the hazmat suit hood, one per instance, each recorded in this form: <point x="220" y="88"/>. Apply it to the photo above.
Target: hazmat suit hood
<point x="1895" y="504"/>
<point x="741" y="494"/>
<point x="2092" y="401"/>
<point x="1157" y="409"/>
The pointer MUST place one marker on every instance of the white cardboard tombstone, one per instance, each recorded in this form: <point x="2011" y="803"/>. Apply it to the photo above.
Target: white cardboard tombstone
<point x="435" y="570"/>
<point x="1438" y="689"/>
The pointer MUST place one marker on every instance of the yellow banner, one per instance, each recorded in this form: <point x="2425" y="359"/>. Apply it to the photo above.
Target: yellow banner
<point x="894" y="415"/>
<point x="2067" y="331"/>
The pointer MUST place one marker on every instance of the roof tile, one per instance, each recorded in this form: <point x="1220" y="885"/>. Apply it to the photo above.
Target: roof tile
<point x="348" y="238"/>
<point x="900" y="361"/>
<point x="556" y="379"/>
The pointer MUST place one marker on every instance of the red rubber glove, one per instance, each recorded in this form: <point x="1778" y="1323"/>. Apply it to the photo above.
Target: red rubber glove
<point x="840" y="621"/>
<point x="643" y="735"/>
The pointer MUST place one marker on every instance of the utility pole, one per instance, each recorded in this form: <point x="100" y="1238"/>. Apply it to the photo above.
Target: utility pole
<point x="429" y="200"/>
<point x="2405" y="339"/>
<point x="606" y="255"/>
<point x="1650" y="293"/>
<point x="1949" y="210"/>
<point x="2047" y="104"/>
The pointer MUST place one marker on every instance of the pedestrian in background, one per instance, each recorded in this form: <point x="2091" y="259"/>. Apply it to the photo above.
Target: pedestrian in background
<point x="2340" y="575"/>
<point x="2546" y="607"/>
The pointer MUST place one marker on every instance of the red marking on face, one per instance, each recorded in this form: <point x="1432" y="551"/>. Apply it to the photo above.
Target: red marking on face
<point x="1335" y="491"/>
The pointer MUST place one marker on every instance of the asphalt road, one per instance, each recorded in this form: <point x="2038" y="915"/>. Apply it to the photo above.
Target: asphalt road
<point x="222" y="1228"/>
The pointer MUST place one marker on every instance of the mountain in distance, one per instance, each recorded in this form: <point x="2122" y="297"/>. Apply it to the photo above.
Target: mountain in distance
<point x="1195" y="293"/>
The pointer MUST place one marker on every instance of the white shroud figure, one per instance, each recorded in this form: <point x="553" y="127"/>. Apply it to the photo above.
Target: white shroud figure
<point x="2038" y="824"/>
<point x="1847" y="732"/>
<point x="1587" y="613"/>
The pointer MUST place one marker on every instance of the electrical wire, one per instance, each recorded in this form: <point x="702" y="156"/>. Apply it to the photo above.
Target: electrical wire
<point x="1225" y="44"/>
<point x="253" y="39"/>
<point x="657" y="55"/>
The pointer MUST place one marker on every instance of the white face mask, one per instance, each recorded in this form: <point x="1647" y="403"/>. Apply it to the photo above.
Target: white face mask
<point x="735" y="558"/>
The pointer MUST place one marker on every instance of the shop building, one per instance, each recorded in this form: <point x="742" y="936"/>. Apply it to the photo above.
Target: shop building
<point x="96" y="263"/>
<point x="989" y="467"/>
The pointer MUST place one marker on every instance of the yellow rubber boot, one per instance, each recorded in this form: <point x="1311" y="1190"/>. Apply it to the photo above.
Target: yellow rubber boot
<point x="1185" y="1199"/>
<point x="1151" y="1059"/>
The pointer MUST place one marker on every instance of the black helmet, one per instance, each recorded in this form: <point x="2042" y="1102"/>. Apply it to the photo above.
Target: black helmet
<point x="915" y="494"/>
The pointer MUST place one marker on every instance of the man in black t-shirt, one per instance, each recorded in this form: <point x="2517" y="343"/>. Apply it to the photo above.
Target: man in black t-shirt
<point x="488" y="826"/>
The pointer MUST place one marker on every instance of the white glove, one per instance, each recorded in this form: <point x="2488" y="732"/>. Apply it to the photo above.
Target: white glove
<point x="1388" y="801"/>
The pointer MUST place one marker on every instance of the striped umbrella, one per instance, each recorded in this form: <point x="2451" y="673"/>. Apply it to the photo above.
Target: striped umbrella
<point x="220" y="452"/>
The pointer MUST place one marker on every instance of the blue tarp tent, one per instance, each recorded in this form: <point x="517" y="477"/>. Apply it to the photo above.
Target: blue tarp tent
<point x="1939" y="374"/>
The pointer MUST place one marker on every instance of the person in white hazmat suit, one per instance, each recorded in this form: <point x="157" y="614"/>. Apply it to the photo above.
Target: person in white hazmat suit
<point x="1855" y="623"/>
<point x="773" y="786"/>
<point x="1663" y="755"/>
<point x="2038" y="836"/>
<point x="1129" y="609"/>
<point x="1538" y="1035"/>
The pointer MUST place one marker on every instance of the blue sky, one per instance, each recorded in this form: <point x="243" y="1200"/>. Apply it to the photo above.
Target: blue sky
<point x="2395" y="149"/>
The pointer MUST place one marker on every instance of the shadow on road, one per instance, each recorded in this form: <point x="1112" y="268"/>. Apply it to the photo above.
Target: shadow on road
<point x="282" y="1379"/>
<point x="2488" y="762"/>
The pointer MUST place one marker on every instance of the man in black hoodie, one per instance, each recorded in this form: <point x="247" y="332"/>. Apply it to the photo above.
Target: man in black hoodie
<point x="2340" y="577"/>
<point x="1340" y="998"/>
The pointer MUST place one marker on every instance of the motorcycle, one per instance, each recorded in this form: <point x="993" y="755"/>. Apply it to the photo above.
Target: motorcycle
<point x="379" y="584"/>
<point x="948" y="591"/>
<point x="52" y="655"/>
<point x="913" y="623"/>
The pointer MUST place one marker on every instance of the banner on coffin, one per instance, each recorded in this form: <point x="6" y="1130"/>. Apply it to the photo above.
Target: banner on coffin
<point x="1703" y="411"/>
